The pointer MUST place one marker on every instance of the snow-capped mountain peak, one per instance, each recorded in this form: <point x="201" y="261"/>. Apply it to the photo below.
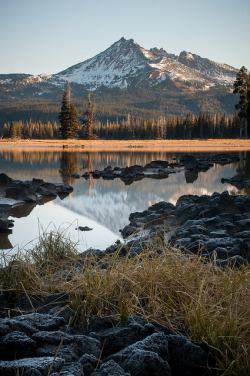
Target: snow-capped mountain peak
<point x="126" y="64"/>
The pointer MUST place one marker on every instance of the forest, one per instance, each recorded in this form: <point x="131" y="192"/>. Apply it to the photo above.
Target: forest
<point x="164" y="127"/>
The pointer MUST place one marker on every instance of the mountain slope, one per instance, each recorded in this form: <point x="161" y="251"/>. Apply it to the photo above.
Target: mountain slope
<point x="125" y="78"/>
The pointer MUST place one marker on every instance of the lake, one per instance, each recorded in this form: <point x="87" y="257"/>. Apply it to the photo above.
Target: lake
<point x="102" y="205"/>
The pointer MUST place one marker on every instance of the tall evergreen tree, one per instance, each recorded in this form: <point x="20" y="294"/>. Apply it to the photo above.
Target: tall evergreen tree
<point x="88" y="119"/>
<point x="68" y="117"/>
<point x="242" y="87"/>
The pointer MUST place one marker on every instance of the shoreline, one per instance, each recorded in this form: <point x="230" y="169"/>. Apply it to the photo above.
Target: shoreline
<point x="130" y="145"/>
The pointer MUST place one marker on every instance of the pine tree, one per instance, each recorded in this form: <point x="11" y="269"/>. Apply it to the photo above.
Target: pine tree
<point x="88" y="119"/>
<point x="242" y="87"/>
<point x="68" y="117"/>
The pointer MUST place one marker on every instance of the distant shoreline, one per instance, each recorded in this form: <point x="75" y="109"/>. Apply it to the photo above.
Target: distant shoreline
<point x="222" y="145"/>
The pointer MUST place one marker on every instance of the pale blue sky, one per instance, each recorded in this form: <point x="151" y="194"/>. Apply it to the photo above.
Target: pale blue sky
<point x="47" y="36"/>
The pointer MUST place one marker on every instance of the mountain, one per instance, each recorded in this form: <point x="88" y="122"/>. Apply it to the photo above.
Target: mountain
<point x="184" y="81"/>
<point x="126" y="64"/>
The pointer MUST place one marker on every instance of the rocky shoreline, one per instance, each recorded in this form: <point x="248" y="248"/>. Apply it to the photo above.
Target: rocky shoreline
<point x="216" y="227"/>
<point x="37" y="336"/>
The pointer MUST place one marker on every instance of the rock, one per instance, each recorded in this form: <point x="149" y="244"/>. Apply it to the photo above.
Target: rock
<point x="198" y="224"/>
<point x="22" y="192"/>
<point x="70" y="353"/>
<point x="72" y="369"/>
<point x="146" y="357"/>
<point x="146" y="363"/>
<point x="16" y="345"/>
<point x="132" y="171"/>
<point x="43" y="305"/>
<point x="189" y="161"/>
<point x="231" y="262"/>
<point x="64" y="189"/>
<point x="39" y="321"/>
<point x="191" y="176"/>
<point x="84" y="344"/>
<point x="5" y="226"/>
<point x="29" y="193"/>
<point x="5" y="180"/>
<point x="30" y="366"/>
<point x="84" y="228"/>
<point x="117" y="338"/>
<point x="156" y="164"/>
<point x="86" y="175"/>
<point x="157" y="343"/>
<point x="80" y="353"/>
<point x="186" y="358"/>
<point x="223" y="158"/>
<point x="110" y="368"/>
<point x="239" y="181"/>
<point x="89" y="363"/>
<point x="4" y="329"/>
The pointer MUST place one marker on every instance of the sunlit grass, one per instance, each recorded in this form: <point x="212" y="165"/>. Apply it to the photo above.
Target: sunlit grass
<point x="181" y="292"/>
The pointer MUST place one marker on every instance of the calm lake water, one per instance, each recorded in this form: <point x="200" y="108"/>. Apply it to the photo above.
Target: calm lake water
<point x="99" y="204"/>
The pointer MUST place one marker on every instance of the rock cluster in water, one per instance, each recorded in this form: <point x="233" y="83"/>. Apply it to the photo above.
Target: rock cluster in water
<point x="161" y="169"/>
<point x="239" y="181"/>
<point x="42" y="342"/>
<point x="31" y="192"/>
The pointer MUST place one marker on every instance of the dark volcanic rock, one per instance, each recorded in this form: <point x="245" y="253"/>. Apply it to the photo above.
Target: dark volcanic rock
<point x="146" y="357"/>
<point x="5" y="180"/>
<point x="29" y="342"/>
<point x="30" y="366"/>
<point x="111" y="368"/>
<point x="191" y="176"/>
<point x="22" y="191"/>
<point x="28" y="193"/>
<point x="239" y="181"/>
<point x="161" y="169"/>
<point x="223" y="158"/>
<point x="89" y="363"/>
<point x="186" y="358"/>
<point x="116" y="338"/>
<point x="16" y="345"/>
<point x="157" y="164"/>
<point x="199" y="224"/>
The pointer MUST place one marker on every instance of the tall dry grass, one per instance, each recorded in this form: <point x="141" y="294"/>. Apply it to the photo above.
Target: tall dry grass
<point x="181" y="292"/>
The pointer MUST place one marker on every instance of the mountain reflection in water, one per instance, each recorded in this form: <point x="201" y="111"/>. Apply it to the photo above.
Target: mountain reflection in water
<point x="101" y="204"/>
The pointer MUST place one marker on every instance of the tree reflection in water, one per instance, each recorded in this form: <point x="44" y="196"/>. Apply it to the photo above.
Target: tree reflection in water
<point x="68" y="166"/>
<point x="87" y="165"/>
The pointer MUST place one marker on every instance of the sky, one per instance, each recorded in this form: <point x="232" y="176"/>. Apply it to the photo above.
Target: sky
<point x="48" y="36"/>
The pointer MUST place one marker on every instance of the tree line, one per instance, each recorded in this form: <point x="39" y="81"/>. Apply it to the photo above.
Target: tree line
<point x="177" y="127"/>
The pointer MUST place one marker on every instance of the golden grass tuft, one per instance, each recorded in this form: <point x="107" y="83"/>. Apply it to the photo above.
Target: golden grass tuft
<point x="179" y="291"/>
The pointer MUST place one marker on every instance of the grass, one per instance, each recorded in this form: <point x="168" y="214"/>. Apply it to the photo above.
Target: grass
<point x="122" y="145"/>
<point x="179" y="291"/>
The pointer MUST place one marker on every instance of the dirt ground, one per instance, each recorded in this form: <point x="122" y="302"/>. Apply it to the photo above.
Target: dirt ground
<point x="223" y="145"/>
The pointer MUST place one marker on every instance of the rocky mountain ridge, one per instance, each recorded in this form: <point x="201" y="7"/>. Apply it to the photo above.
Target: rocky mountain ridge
<point x="126" y="64"/>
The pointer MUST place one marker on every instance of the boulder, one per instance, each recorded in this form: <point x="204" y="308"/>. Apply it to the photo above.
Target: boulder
<point x="5" y="180"/>
<point x="30" y="366"/>
<point x="110" y="368"/>
<point x="240" y="181"/>
<point x="16" y="345"/>
<point x="186" y="358"/>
